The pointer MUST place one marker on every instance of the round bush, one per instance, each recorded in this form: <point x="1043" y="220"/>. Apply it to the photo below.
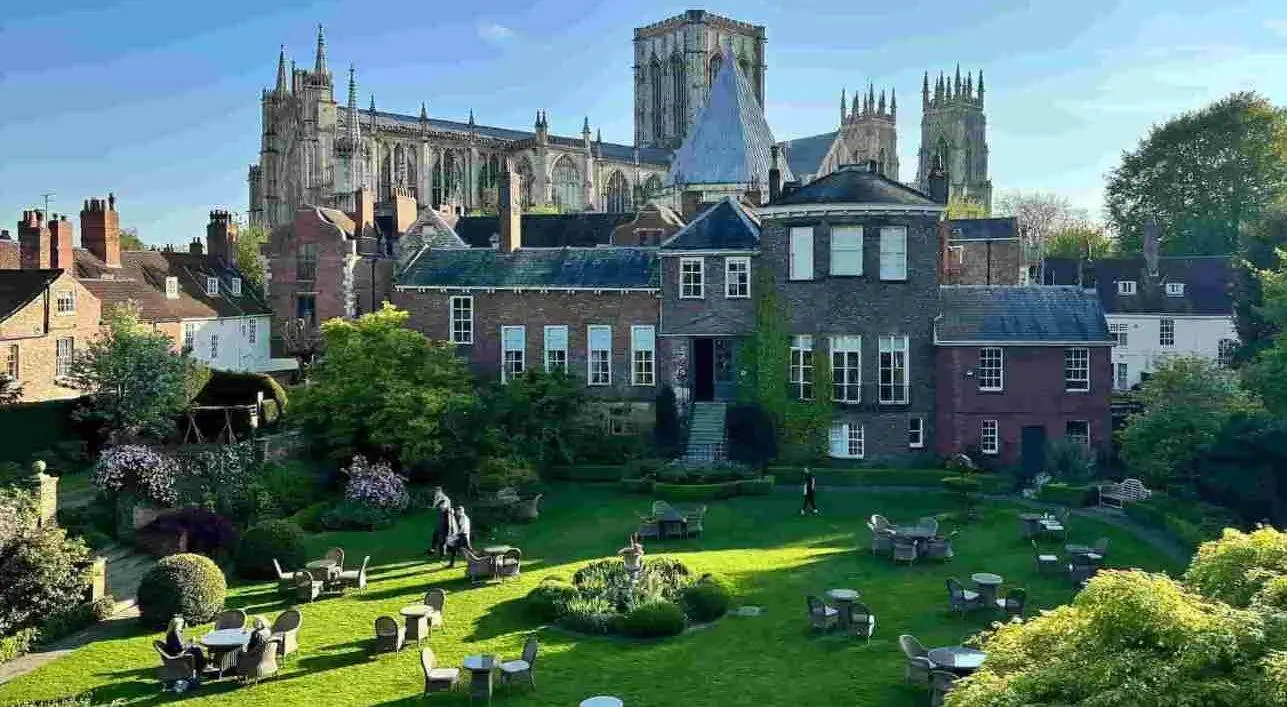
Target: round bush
<point x="653" y="619"/>
<point x="269" y="540"/>
<point x="548" y="600"/>
<point x="189" y="585"/>
<point x="708" y="599"/>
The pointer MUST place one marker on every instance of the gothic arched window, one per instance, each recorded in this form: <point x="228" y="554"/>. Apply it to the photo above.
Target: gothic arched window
<point x="967" y="170"/>
<point x="658" y="97"/>
<point x="652" y="188"/>
<point x="944" y="156"/>
<point x="716" y="62"/>
<point x="746" y="68"/>
<point x="679" y="79"/>
<point x="618" y="193"/>
<point x="881" y="162"/>
<point x="524" y="171"/>
<point x="567" y="185"/>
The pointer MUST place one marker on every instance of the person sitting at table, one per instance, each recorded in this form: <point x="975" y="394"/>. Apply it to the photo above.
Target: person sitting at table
<point x="175" y="645"/>
<point x="632" y="554"/>
<point x="258" y="634"/>
<point x="461" y="537"/>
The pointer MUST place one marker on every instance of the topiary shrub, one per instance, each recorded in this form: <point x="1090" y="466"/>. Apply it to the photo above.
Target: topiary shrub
<point x="594" y="615"/>
<point x="351" y="515"/>
<point x="653" y="619"/>
<point x="547" y="601"/>
<point x="188" y="585"/>
<point x="271" y="539"/>
<point x="708" y="598"/>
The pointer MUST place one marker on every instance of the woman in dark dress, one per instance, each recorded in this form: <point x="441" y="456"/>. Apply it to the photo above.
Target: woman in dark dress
<point x="175" y="645"/>
<point x="810" y="494"/>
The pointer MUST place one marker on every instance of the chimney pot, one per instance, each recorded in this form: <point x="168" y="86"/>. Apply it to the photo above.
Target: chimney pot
<point x="511" y="214"/>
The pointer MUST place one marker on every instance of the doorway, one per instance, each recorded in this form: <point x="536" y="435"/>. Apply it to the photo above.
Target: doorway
<point x="703" y="370"/>
<point x="1033" y="450"/>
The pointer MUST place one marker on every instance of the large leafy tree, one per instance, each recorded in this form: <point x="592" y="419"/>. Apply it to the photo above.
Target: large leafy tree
<point x="137" y="383"/>
<point x="1245" y="468"/>
<point x="1202" y="175"/>
<point x="1085" y="241"/>
<point x="1258" y="250"/>
<point x="248" y="258"/>
<point x="384" y="390"/>
<point x="1266" y="374"/>
<point x="534" y="416"/>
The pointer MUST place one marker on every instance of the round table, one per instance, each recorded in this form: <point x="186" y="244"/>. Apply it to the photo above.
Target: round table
<point x="224" y="645"/>
<point x="1078" y="549"/>
<point x="602" y="701"/>
<point x="481" y="669"/>
<point x="1031" y="523"/>
<point x="417" y="621"/>
<point x="987" y="584"/>
<point x="958" y="659"/>
<point x="325" y="566"/>
<point x="843" y="598"/>
<point x="497" y="549"/>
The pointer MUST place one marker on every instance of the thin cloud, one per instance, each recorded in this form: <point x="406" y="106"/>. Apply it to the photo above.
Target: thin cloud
<point x="494" y="32"/>
<point x="1278" y="27"/>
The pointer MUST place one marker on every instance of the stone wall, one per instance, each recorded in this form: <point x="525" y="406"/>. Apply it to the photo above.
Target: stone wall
<point x="34" y="330"/>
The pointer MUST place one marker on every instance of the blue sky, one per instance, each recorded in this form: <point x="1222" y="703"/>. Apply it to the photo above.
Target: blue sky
<point x="159" y="100"/>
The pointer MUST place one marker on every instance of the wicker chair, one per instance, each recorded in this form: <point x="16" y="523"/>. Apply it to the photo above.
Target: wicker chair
<point x="230" y="618"/>
<point x="941" y="683"/>
<point x="174" y="667"/>
<point x="436" y="599"/>
<point x="285" y="580"/>
<point x="880" y="522"/>
<point x="478" y="566"/>
<point x="821" y="616"/>
<point x="929" y="523"/>
<point x="861" y="620"/>
<point x="1101" y="548"/>
<point x="286" y="631"/>
<point x="660" y="507"/>
<point x="918" y="662"/>
<point x="959" y="598"/>
<point x="354" y="578"/>
<point x="1080" y="569"/>
<point x="937" y="548"/>
<point x="528" y="510"/>
<point x="882" y="541"/>
<point x="437" y="679"/>
<point x="510" y="564"/>
<point x="521" y="670"/>
<point x="904" y="550"/>
<point x="1046" y="561"/>
<point x="390" y="636"/>
<point x="259" y="662"/>
<point x="1013" y="601"/>
<point x="307" y="589"/>
<point x="337" y="554"/>
<point x="695" y="518"/>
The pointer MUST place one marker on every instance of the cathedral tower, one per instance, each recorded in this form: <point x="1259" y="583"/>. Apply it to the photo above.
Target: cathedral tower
<point x="868" y="133"/>
<point x="676" y="62"/>
<point x="954" y="129"/>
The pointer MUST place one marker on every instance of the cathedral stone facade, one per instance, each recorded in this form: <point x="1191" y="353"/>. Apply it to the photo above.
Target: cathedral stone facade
<point x="954" y="134"/>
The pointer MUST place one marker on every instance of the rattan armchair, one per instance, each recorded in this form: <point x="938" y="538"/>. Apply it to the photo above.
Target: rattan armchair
<point x="390" y="636"/>
<point x="354" y="578"/>
<point x="286" y="631"/>
<point x="478" y="566"/>
<point x="436" y="599"/>
<point x="1013" y="601"/>
<point x="882" y="541"/>
<point x="861" y="620"/>
<point x="521" y="670"/>
<point x="695" y="517"/>
<point x="529" y="510"/>
<point x="961" y="599"/>
<point x="258" y="662"/>
<point x="941" y="683"/>
<point x="918" y="662"/>
<point x="937" y="548"/>
<point x="821" y="616"/>
<point x="230" y="618"/>
<point x="1046" y="561"/>
<point x="285" y="580"/>
<point x="437" y="679"/>
<point x="307" y="589"/>
<point x="337" y="554"/>
<point x="905" y="550"/>
<point x="510" y="564"/>
<point x="174" y="667"/>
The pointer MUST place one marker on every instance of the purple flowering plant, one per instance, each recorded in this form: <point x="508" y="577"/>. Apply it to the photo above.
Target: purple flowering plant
<point x="375" y="485"/>
<point x="139" y="469"/>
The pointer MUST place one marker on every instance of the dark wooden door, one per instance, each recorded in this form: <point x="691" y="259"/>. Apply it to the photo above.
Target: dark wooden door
<point x="1033" y="450"/>
<point x="703" y="369"/>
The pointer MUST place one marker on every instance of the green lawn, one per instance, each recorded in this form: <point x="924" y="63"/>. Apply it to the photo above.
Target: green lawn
<point x="774" y="555"/>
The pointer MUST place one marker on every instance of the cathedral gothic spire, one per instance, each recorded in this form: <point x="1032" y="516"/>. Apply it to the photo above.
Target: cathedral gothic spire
<point x="893" y="103"/>
<point x="871" y="97"/>
<point x="320" y="65"/>
<point x="980" y="96"/>
<point x="282" y="86"/>
<point x="957" y="90"/>
<point x="842" y="106"/>
<point x="881" y="106"/>
<point x="925" y="94"/>
<point x="352" y="91"/>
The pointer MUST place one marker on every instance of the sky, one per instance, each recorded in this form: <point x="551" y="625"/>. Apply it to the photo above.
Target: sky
<point x="158" y="101"/>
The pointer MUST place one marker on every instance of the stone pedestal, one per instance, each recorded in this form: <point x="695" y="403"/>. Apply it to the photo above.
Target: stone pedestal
<point x="98" y="579"/>
<point x="46" y="493"/>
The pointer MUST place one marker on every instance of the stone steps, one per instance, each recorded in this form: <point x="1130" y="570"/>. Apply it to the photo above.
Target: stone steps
<point x="706" y="432"/>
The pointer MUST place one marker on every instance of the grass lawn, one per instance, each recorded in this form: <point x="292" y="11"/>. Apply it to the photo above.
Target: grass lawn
<point x="774" y="556"/>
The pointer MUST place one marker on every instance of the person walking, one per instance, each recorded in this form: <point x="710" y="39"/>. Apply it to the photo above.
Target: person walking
<point x="439" y="502"/>
<point x="810" y="493"/>
<point x="462" y="537"/>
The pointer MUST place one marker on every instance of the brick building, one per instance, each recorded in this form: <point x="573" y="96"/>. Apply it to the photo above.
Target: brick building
<point x="1017" y="366"/>
<point x="982" y="251"/>
<point x="46" y="316"/>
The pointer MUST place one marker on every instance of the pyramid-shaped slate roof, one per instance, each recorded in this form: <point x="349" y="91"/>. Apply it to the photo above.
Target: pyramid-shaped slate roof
<point x="725" y="226"/>
<point x="730" y="142"/>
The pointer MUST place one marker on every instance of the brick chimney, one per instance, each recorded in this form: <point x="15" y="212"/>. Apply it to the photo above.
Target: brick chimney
<point x="61" y="235"/>
<point x="363" y="211"/>
<point x="33" y="241"/>
<point x="1152" y="243"/>
<point x="775" y="174"/>
<point x="195" y="248"/>
<point x="221" y="236"/>
<point x="100" y="230"/>
<point x="511" y="211"/>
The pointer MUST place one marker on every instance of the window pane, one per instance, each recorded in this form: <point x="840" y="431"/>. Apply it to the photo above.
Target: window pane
<point x="846" y="250"/>
<point x="801" y="265"/>
<point x="991" y="369"/>
<point x="893" y="253"/>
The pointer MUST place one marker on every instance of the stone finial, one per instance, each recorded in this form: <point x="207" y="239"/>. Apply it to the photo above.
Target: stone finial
<point x="319" y="66"/>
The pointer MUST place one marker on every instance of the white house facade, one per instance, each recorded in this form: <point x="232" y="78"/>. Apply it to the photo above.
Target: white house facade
<point x="231" y="343"/>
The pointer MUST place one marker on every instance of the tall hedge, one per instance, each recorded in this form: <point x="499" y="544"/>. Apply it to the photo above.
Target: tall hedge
<point x="272" y="539"/>
<point x="189" y="585"/>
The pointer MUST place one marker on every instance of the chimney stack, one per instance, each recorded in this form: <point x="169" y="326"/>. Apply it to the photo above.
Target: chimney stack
<point x="775" y="173"/>
<point x="195" y="248"/>
<point x="938" y="190"/>
<point x="404" y="210"/>
<point x="789" y="187"/>
<point x="363" y="210"/>
<point x="100" y="230"/>
<point x="1152" y="243"/>
<point x="511" y="210"/>
<point x="62" y="238"/>
<point x="690" y="204"/>
<point x="33" y="241"/>
<point x="221" y="236"/>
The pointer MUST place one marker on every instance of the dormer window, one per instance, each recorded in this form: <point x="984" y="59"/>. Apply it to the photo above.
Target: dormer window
<point x="1125" y="287"/>
<point x="236" y="287"/>
<point x="1175" y="289"/>
<point x="172" y="287"/>
<point x="212" y="286"/>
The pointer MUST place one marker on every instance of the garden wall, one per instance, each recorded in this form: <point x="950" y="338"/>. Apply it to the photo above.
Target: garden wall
<point x="31" y="428"/>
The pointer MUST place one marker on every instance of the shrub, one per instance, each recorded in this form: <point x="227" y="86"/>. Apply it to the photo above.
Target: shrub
<point x="653" y="619"/>
<point x="42" y="573"/>
<point x="138" y="469"/>
<point x="549" y="599"/>
<point x="643" y="468"/>
<point x="65" y="623"/>
<point x="310" y="518"/>
<point x="208" y="533"/>
<point x="593" y="615"/>
<point x="18" y="644"/>
<point x="375" y="486"/>
<point x="1074" y="496"/>
<point x="708" y="598"/>
<point x="17" y="514"/>
<point x="756" y="487"/>
<point x="752" y="439"/>
<point x="495" y="473"/>
<point x="292" y="485"/>
<point x="188" y="585"/>
<point x="666" y="430"/>
<point x="350" y="515"/>
<point x="271" y="539"/>
<point x="94" y="522"/>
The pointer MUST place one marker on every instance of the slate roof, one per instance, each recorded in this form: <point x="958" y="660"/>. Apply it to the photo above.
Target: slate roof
<point x="857" y="184"/>
<point x="725" y="226"/>
<point x="586" y="229"/>
<point x="1207" y="283"/>
<point x="1033" y="314"/>
<point x="19" y="287"/>
<point x="567" y="268"/>
<point x="730" y="142"/>
<point x="983" y="229"/>
<point x="141" y="279"/>
<point x="804" y="155"/>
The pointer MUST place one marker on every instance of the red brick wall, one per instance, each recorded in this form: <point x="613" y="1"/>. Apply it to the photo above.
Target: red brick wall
<point x="333" y="249"/>
<point x="1034" y="395"/>
<point x="430" y="315"/>
<point x="35" y="328"/>
<point x="9" y="255"/>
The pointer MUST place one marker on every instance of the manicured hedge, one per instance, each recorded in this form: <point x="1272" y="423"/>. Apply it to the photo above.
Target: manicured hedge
<point x="702" y="492"/>
<point x="187" y="585"/>
<point x="1073" y="496"/>
<point x="586" y="472"/>
<point x="755" y="487"/>
<point x="990" y="483"/>
<point x="1191" y="522"/>
<point x="643" y="486"/>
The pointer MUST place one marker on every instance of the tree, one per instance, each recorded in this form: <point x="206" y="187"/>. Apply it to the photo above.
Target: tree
<point x="1245" y="468"/>
<point x="1079" y="242"/>
<point x="1202" y="175"/>
<point x="130" y="239"/>
<point x="10" y="390"/>
<point x="1266" y="374"/>
<point x="386" y="391"/>
<point x="1186" y="401"/>
<point x="136" y="382"/>
<point x="1040" y="216"/>
<point x="534" y="416"/>
<point x="964" y="207"/>
<point x="1239" y="567"/>
<point x="1258" y="254"/>
<point x="248" y="258"/>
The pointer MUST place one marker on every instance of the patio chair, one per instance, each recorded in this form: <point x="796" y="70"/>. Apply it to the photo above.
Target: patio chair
<point x="1031" y="527"/>
<point x="648" y="527"/>
<point x="230" y="618"/>
<point x="174" y="667"/>
<point x="904" y="550"/>
<point x="307" y="589"/>
<point x="437" y="679"/>
<point x="882" y="541"/>
<point x="880" y="521"/>
<point x="918" y="662"/>
<point x="1080" y="569"/>
<point x="390" y="636"/>
<point x="528" y="511"/>
<point x="1013" y="601"/>
<point x="929" y="523"/>
<point x="661" y="507"/>
<point x="259" y="662"/>
<point x="821" y="616"/>
<point x="478" y="566"/>
<point x="521" y="670"/>
<point x="337" y="554"/>
<point x="510" y="564"/>
<point x="436" y="599"/>
<point x="937" y="548"/>
<point x="941" y="683"/>
<point x="862" y="620"/>
<point x="285" y="580"/>
<point x="286" y="631"/>
<point x="959" y="598"/>
<point x="1046" y="561"/>
<point x="1101" y="548"/>
<point x="354" y="578"/>
<point x="695" y="518"/>
<point x="1056" y="527"/>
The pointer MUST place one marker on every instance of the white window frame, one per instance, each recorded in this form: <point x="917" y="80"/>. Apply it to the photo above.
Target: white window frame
<point x="65" y="302"/>
<point x="517" y="363"/>
<point x="1224" y="351"/>
<point x="551" y="334"/>
<point x="737" y="277"/>
<point x="848" y="441"/>
<point x="893" y="253"/>
<point x="801" y="367"/>
<point x="894" y="344"/>
<point x="846" y="368"/>
<point x="467" y="330"/>
<point x="212" y="286"/>
<point x="846" y="251"/>
<point x="1175" y="289"/>
<point x="190" y="336"/>
<point x="1077" y="360"/>
<point x="916" y="433"/>
<point x="1121" y="376"/>
<point x="1166" y="331"/>
<point x="236" y="287"/>
<point x="991" y="369"/>
<point x="252" y="331"/>
<point x="63" y="360"/>
<point x="13" y="362"/>
<point x="800" y="253"/>
<point x="214" y="345"/>
<point x="1126" y="287"/>
<point x="1120" y="332"/>
<point x="1086" y="443"/>
<point x="990" y="437"/>
<point x="692" y="288"/>
<point x="590" y="378"/>
<point x="643" y="355"/>
<point x="171" y="287"/>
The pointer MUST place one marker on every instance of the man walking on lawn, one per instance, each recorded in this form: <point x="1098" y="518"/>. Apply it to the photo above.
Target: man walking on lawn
<point x="810" y="493"/>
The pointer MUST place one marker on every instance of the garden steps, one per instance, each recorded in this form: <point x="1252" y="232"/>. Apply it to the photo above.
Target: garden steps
<point x="706" y="432"/>
<point x="125" y="568"/>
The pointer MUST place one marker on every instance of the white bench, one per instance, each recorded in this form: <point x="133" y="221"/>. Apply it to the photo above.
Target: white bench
<point x="1116" y="495"/>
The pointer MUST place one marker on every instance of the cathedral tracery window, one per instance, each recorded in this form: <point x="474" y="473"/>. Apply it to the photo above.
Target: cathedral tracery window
<point x="680" y="84"/>
<point x="524" y="171"/>
<point x="618" y="193"/>
<point x="652" y="188"/>
<point x="567" y="185"/>
<point x="658" y="96"/>
<point x="716" y="62"/>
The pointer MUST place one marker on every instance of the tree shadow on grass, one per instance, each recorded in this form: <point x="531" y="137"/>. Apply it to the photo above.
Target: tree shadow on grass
<point x="506" y="617"/>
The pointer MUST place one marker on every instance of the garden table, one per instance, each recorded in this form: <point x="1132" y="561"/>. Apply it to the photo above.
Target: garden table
<point x="224" y="645"/>
<point x="417" y="621"/>
<point x="1031" y="523"/>
<point x="672" y="523"/>
<point x="497" y="549"/>
<point x="602" y="701"/>
<point x="326" y="566"/>
<point x="987" y="584"/>
<point x="957" y="659"/>
<point x="481" y="670"/>
<point x="843" y="598"/>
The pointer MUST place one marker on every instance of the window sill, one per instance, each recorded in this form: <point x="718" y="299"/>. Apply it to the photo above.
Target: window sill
<point x="992" y="390"/>
<point x="916" y="446"/>
<point x="894" y="403"/>
<point x="728" y="296"/>
<point x="894" y="279"/>
<point x="692" y="297"/>
<point x="991" y="454"/>
<point x="845" y="275"/>
<point x="1078" y="390"/>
